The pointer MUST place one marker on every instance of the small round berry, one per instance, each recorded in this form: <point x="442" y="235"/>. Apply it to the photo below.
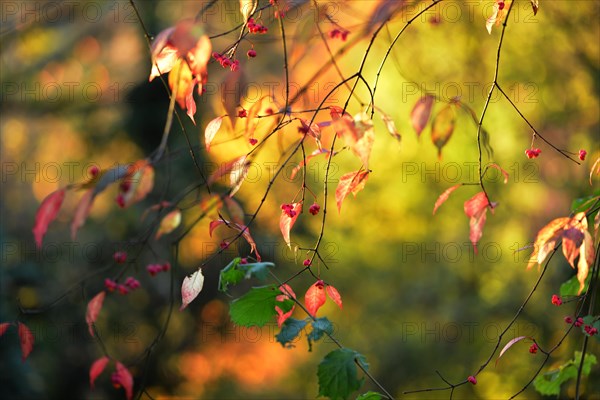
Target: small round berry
<point x="345" y="35"/>
<point x="125" y="186"/>
<point x="533" y="348"/>
<point x="472" y="379"/>
<point x="269" y="111"/>
<point x="501" y="5"/>
<point x="582" y="154"/>
<point x="242" y="113"/>
<point x="110" y="285"/>
<point x="224" y="244"/>
<point x="123" y="289"/>
<point x="251" y="53"/>
<point x="120" y="257"/>
<point x="225" y="62"/>
<point x="243" y="261"/>
<point x="152" y="269"/>
<point x="579" y="322"/>
<point x="165" y="267"/>
<point x="120" y="200"/>
<point x="217" y="56"/>
<point x="556" y="300"/>
<point x="568" y="320"/>
<point x="235" y="65"/>
<point x="94" y="170"/>
<point x="307" y="262"/>
<point x="253" y="141"/>
<point x="314" y="209"/>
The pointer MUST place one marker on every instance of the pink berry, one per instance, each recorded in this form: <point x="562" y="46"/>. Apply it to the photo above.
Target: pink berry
<point x="110" y="285"/>
<point x="94" y="170"/>
<point x="120" y="257"/>
<point x="252" y="141"/>
<point x="120" y="200"/>
<point x="242" y="113"/>
<point x="224" y="244"/>
<point x="314" y="209"/>
<point x="568" y="320"/>
<point x="235" y="65"/>
<point x="472" y="379"/>
<point x="123" y="289"/>
<point x="579" y="322"/>
<point x="582" y="154"/>
<point x="500" y="5"/>
<point x="307" y="262"/>
<point x="269" y="111"/>
<point x="533" y="348"/>
<point x="165" y="267"/>
<point x="217" y="56"/>
<point x="556" y="300"/>
<point x="244" y="261"/>
<point x="225" y="62"/>
<point x="251" y="53"/>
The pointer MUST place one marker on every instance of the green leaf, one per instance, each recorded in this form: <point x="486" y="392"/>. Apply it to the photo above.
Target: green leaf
<point x="571" y="287"/>
<point x="549" y="383"/>
<point x="582" y="204"/>
<point x="257" y="307"/>
<point x="320" y="327"/>
<point x="338" y="373"/>
<point x="370" y="395"/>
<point x="230" y="275"/>
<point x="290" y="330"/>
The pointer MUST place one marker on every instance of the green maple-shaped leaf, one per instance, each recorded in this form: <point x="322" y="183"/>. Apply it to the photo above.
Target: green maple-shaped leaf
<point x="338" y="374"/>
<point x="257" y="307"/>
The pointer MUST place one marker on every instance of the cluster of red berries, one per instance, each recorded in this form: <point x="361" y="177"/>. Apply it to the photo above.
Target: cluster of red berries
<point x="501" y="5"/>
<point x="226" y="62"/>
<point x="533" y="153"/>
<point x="120" y="257"/>
<point x="589" y="329"/>
<point x="582" y="154"/>
<point x="130" y="284"/>
<point x="533" y="348"/>
<point x="154" y="269"/>
<point x="289" y="210"/>
<point x="253" y="27"/>
<point x="124" y="187"/>
<point x="556" y="300"/>
<point x="314" y="209"/>
<point x="339" y="33"/>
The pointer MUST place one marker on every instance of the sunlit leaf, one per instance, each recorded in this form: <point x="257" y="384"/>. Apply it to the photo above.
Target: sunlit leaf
<point x="241" y="228"/>
<point x="476" y="209"/>
<point x="502" y="171"/>
<point x="225" y="169"/>
<point x="140" y="178"/>
<point x="338" y="373"/>
<point x="46" y="213"/>
<point x="352" y="182"/>
<point x="390" y="126"/>
<point x="442" y="127"/>
<point x="239" y="170"/>
<point x="26" y="340"/>
<point x="257" y="307"/>
<point x="419" y="116"/>
<point x="546" y="239"/>
<point x="124" y="378"/>
<point x="306" y="160"/>
<point x="191" y="287"/>
<point x="315" y="297"/>
<point x="334" y="295"/>
<point x="510" y="344"/>
<point x="93" y="309"/>
<point x="444" y="196"/>
<point x="211" y="131"/>
<point x="535" y="6"/>
<point x="247" y="7"/>
<point x="97" y="368"/>
<point x="169" y="223"/>
<point x="286" y="222"/>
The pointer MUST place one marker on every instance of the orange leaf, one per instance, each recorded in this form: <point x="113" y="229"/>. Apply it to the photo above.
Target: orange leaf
<point x="546" y="240"/>
<point x="334" y="295"/>
<point x="3" y="327"/>
<point x="247" y="7"/>
<point x="442" y="127"/>
<point x="236" y="212"/>
<point x="191" y="287"/>
<point x="211" y="130"/>
<point x="46" y="214"/>
<point x="306" y="160"/>
<point x="352" y="182"/>
<point x="287" y="292"/>
<point x="93" y="309"/>
<point x="169" y="223"/>
<point x="315" y="297"/>
<point x="164" y="54"/>
<point x="124" y="378"/>
<point x="97" y="368"/>
<point x="362" y="148"/>
<point x="476" y="209"/>
<point x="419" y="116"/>
<point x="313" y="131"/>
<point x="224" y="169"/>
<point x="239" y="227"/>
<point x="586" y="258"/>
<point x="140" y="177"/>
<point x="286" y="222"/>
<point x="390" y="125"/>
<point x="239" y="170"/>
<point x="444" y="196"/>
<point x="595" y="169"/>
<point x="504" y="173"/>
<point x="27" y="340"/>
<point x="82" y="212"/>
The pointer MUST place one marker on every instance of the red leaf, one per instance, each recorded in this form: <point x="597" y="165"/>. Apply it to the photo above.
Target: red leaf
<point x="124" y="378"/>
<point x="27" y="340"/>
<point x="82" y="212"/>
<point x="390" y="125"/>
<point x="286" y="222"/>
<point x="191" y="287"/>
<point x="241" y="228"/>
<point x="93" y="309"/>
<point x="509" y="345"/>
<point x="314" y="131"/>
<point x="169" y="223"/>
<point x="287" y="292"/>
<point x="315" y="297"/>
<point x="444" y="196"/>
<point x="97" y="368"/>
<point x="476" y="209"/>
<point x="239" y="170"/>
<point x="46" y="214"/>
<point x="211" y="130"/>
<point x="235" y="210"/>
<point x="504" y="173"/>
<point x="419" y="116"/>
<point x="442" y="127"/>
<point x="224" y="169"/>
<point x="334" y="295"/>
<point x="306" y="160"/>
<point x="140" y="179"/>
<point x="352" y="182"/>
<point x="357" y="133"/>
<point x="3" y="327"/>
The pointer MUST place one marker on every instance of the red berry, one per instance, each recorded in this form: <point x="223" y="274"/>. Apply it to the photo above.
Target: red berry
<point x="472" y="379"/>
<point x="165" y="267"/>
<point x="579" y="322"/>
<point x="582" y="154"/>
<point x="120" y="257"/>
<point x="244" y="261"/>
<point x="224" y="244"/>
<point x="225" y="62"/>
<point x="217" y="56"/>
<point x="314" y="209"/>
<point x="123" y="289"/>
<point x="94" y="170"/>
<point x="307" y="262"/>
<point x="345" y="35"/>
<point x="533" y="348"/>
<point x="500" y="5"/>
<point x="568" y="320"/>
<point x="269" y="111"/>
<point x="235" y="65"/>
<point x="556" y="300"/>
<point x="242" y="113"/>
<point x="110" y="285"/>
<point x="251" y="53"/>
<point x="152" y="269"/>
<point x="125" y="186"/>
<point x="120" y="200"/>
<point x="252" y="141"/>
<point x="590" y="330"/>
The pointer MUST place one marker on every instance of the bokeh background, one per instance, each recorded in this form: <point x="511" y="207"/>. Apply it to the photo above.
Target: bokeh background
<point x="75" y="93"/>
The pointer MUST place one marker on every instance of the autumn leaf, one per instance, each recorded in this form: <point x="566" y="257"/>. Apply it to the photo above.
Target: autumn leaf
<point x="442" y="127"/>
<point x="82" y="211"/>
<point x="46" y="213"/>
<point x="93" y="309"/>
<point x="286" y="222"/>
<point x="419" y="116"/>
<point x="510" y="344"/>
<point x="139" y="182"/>
<point x="190" y="288"/>
<point x="334" y="295"/>
<point x="315" y="297"/>
<point x="314" y="131"/>
<point x="288" y="293"/>
<point x="169" y="223"/>
<point x="124" y="378"/>
<point x="357" y="133"/>
<point x="233" y="88"/>
<point x="247" y="7"/>
<point x="235" y="210"/>
<point x="26" y="339"/>
<point x="444" y="196"/>
<point x="241" y="228"/>
<point x="239" y="170"/>
<point x="502" y="171"/>
<point x="306" y="160"/>
<point x="4" y="327"/>
<point x="498" y="13"/>
<point x="225" y="169"/>
<point x="595" y="170"/>
<point x="211" y="131"/>
<point x="476" y="209"/>
<point x="546" y="240"/>
<point x="390" y="125"/>
<point x="535" y="6"/>
<point x="97" y="368"/>
<point x="352" y="182"/>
